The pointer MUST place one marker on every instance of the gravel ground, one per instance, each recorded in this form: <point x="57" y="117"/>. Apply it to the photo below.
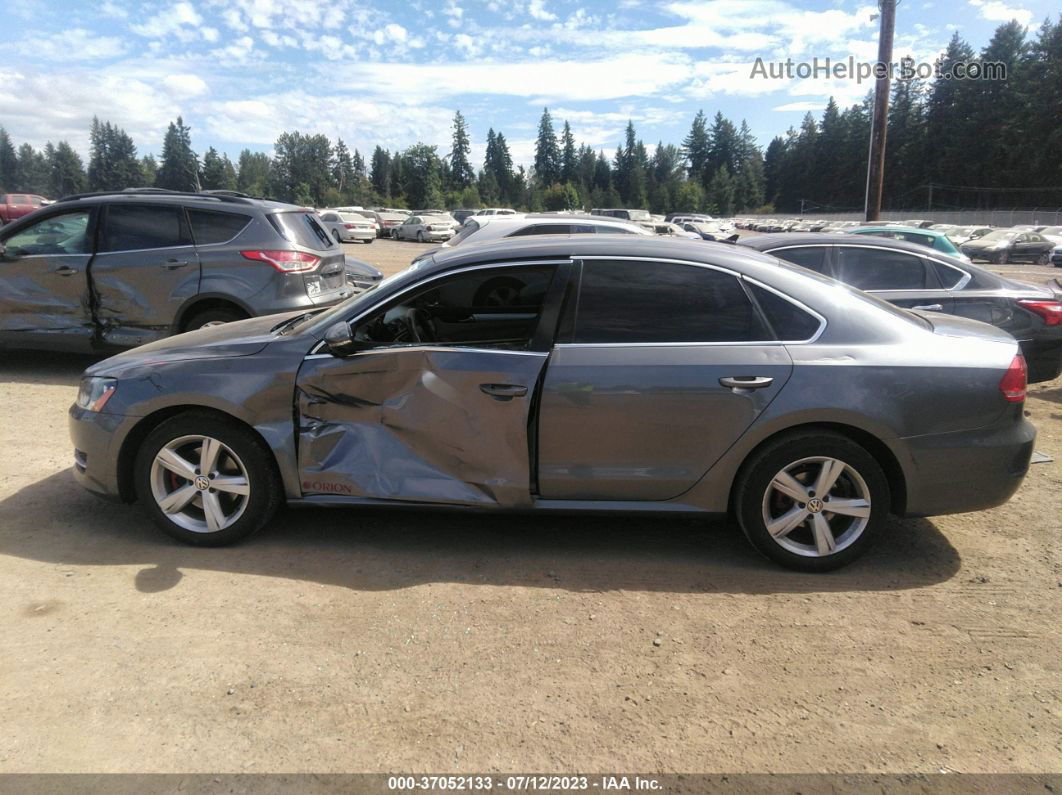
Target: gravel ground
<point x="355" y="640"/>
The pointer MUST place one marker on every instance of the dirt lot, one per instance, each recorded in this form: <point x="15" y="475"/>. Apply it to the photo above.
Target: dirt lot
<point x="343" y="640"/>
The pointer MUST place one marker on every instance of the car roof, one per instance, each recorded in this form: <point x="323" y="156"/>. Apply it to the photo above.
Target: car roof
<point x="782" y="240"/>
<point x="918" y="229"/>
<point x="170" y="197"/>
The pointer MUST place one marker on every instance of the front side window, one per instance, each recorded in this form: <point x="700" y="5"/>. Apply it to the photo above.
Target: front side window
<point x="134" y="227"/>
<point x="880" y="269"/>
<point x="56" y="234"/>
<point x="655" y="302"/>
<point x="489" y="308"/>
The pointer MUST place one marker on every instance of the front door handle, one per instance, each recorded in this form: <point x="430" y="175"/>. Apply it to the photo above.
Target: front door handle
<point x="66" y="270"/>
<point x="503" y="391"/>
<point x="173" y="264"/>
<point x="930" y="307"/>
<point x="739" y="382"/>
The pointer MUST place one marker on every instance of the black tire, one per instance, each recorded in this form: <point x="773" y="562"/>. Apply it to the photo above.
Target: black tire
<point x="1045" y="258"/>
<point x="369" y="241"/>
<point x="265" y="488"/>
<point x="751" y="496"/>
<point x="420" y="237"/>
<point x="335" y="234"/>
<point x="1004" y="258"/>
<point x="215" y="316"/>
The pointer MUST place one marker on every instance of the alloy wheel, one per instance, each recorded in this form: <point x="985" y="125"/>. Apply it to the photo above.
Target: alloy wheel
<point x="200" y="484"/>
<point x="816" y="506"/>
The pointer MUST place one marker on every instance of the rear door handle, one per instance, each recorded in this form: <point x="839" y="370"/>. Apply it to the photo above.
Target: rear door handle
<point x="746" y="382"/>
<point x="930" y="307"/>
<point x="503" y="391"/>
<point x="66" y="270"/>
<point x="173" y="264"/>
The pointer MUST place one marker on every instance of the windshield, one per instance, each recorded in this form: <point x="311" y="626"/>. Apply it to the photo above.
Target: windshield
<point x="467" y="230"/>
<point x="1000" y="234"/>
<point x="639" y="215"/>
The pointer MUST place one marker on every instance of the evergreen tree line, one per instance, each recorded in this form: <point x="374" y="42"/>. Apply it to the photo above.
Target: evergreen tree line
<point x="957" y="136"/>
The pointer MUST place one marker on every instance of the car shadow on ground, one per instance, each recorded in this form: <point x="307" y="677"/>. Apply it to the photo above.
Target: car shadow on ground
<point x="44" y="367"/>
<point x="54" y="521"/>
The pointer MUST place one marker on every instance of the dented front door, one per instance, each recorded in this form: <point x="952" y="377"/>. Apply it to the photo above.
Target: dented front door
<point x="419" y="424"/>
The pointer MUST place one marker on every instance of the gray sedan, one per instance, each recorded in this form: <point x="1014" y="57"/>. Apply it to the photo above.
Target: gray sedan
<point x="614" y="373"/>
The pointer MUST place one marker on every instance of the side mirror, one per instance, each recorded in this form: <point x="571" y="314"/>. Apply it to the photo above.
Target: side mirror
<point x="340" y="340"/>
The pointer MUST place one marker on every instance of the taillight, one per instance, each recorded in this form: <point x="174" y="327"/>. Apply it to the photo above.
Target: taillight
<point x="1050" y="311"/>
<point x="351" y="226"/>
<point x="285" y="261"/>
<point x="1014" y="380"/>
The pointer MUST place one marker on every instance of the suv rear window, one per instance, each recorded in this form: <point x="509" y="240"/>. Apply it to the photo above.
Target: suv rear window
<point x="301" y="228"/>
<point x="213" y="227"/>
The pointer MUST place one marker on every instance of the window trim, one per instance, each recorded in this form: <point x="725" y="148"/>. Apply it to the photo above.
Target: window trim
<point x="557" y="264"/>
<point x="741" y="277"/>
<point x="831" y="262"/>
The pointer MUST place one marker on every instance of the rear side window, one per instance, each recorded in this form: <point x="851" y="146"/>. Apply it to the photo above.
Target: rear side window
<point x="810" y="257"/>
<point x="301" y="228"/>
<point x="880" y="269"/>
<point x="211" y="227"/>
<point x="632" y="302"/>
<point x="543" y="229"/>
<point x="947" y="276"/>
<point x="132" y="227"/>
<point x="788" y="321"/>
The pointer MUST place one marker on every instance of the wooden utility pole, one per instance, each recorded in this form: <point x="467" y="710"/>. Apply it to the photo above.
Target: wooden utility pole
<point x="879" y="123"/>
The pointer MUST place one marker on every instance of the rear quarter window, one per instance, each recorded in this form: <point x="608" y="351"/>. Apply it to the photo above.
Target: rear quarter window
<point x="214" y="227"/>
<point x="301" y="228"/>
<point x="788" y="321"/>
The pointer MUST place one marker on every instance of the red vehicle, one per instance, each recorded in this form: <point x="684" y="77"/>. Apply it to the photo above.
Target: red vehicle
<point x="16" y="205"/>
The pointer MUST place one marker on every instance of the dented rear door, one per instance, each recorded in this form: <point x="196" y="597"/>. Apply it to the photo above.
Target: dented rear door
<point x="145" y="270"/>
<point x="419" y="424"/>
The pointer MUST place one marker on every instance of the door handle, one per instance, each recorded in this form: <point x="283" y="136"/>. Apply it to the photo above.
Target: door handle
<point x="740" y="382"/>
<point x="930" y="307"/>
<point x="503" y="391"/>
<point x="66" y="270"/>
<point x="173" y="264"/>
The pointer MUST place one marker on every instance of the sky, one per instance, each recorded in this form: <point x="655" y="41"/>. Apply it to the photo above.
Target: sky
<point x="392" y="73"/>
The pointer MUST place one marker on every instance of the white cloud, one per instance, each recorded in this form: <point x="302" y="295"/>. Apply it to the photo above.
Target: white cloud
<point x="185" y="86"/>
<point x="1000" y="12"/>
<point x="210" y="34"/>
<point x="76" y="44"/>
<point x="180" y="20"/>
<point x="805" y="106"/>
<point x="537" y="10"/>
<point x="239" y="50"/>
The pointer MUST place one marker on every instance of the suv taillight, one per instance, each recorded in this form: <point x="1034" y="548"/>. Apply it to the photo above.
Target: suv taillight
<point x="284" y="261"/>
<point x="1014" y="380"/>
<point x="1050" y="311"/>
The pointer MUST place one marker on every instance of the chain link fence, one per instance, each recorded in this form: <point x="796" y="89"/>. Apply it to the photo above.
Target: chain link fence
<point x="1035" y="216"/>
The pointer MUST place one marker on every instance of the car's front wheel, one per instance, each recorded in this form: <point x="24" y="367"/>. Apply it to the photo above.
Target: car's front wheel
<point x="812" y="501"/>
<point x="1045" y="258"/>
<point x="206" y="481"/>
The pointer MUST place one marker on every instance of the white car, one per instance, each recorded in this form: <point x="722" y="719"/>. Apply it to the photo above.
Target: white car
<point x="424" y="229"/>
<point x="495" y="211"/>
<point x="348" y="227"/>
<point x="481" y="229"/>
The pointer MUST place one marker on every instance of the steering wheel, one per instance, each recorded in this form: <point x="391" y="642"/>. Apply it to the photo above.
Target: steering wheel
<point x="418" y="323"/>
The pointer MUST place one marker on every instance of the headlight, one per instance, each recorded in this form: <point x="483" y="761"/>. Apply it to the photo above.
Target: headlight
<point x="95" y="392"/>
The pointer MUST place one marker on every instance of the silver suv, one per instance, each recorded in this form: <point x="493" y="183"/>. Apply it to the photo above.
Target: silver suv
<point x="113" y="270"/>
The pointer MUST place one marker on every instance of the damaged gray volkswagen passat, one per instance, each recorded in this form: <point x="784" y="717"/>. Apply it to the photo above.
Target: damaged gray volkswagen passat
<point x="572" y="373"/>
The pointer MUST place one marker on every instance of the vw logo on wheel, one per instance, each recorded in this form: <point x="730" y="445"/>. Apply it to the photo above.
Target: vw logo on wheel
<point x="202" y="483"/>
<point x="815" y="505"/>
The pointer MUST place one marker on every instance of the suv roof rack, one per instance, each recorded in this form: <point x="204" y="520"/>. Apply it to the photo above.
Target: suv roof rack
<point x="221" y="196"/>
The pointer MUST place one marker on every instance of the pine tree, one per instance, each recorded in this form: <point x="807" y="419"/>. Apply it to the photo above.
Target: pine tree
<point x="423" y="185"/>
<point x="462" y="174"/>
<point x="380" y="174"/>
<point x="218" y="173"/>
<point x="31" y="170"/>
<point x="252" y="175"/>
<point x="547" y="155"/>
<point x="67" y="172"/>
<point x="180" y="165"/>
<point x="342" y="167"/>
<point x="8" y="161"/>
<point x="568" y="160"/>
<point x="148" y="169"/>
<point x="696" y="147"/>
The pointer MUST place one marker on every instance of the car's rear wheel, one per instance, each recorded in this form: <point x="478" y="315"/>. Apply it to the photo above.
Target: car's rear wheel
<point x="812" y="502"/>
<point x="1004" y="258"/>
<point x="206" y="481"/>
<point x="335" y="234"/>
<point x="420" y="237"/>
<point x="213" y="317"/>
